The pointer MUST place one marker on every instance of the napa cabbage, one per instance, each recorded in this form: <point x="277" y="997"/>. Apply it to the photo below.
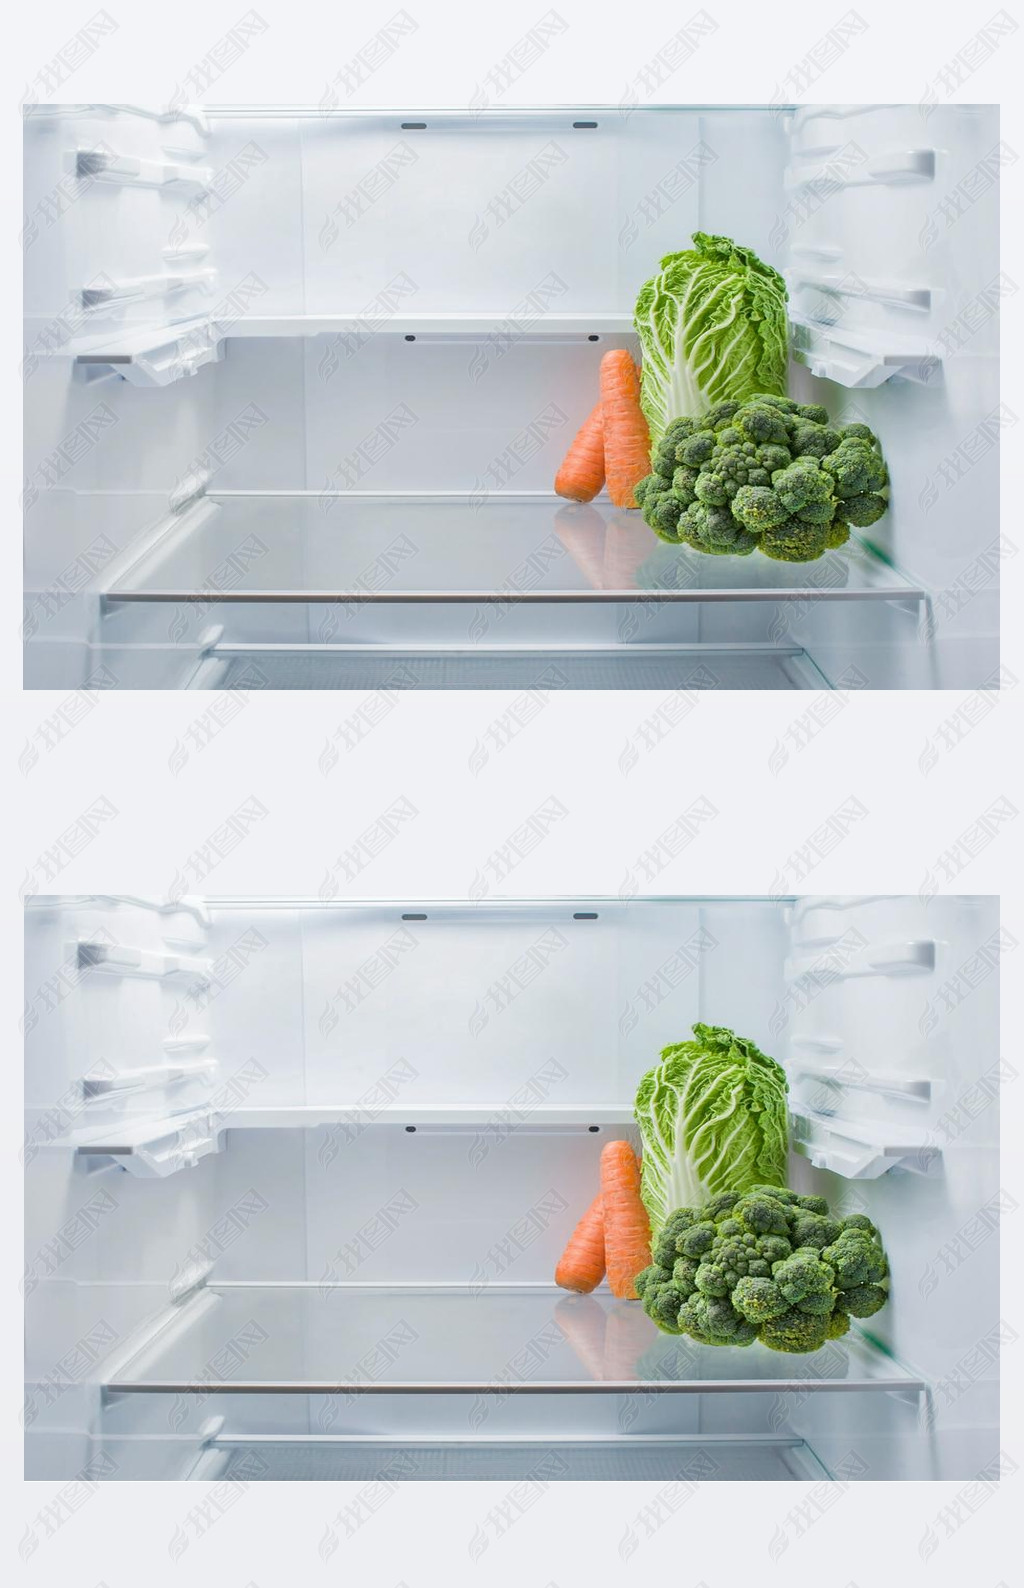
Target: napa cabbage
<point x="713" y="1119"/>
<point x="712" y="324"/>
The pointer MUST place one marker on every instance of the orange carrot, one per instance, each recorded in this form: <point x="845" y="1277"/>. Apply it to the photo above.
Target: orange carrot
<point x="627" y="1229"/>
<point x="582" y="473"/>
<point x="627" y="440"/>
<point x="581" y="1266"/>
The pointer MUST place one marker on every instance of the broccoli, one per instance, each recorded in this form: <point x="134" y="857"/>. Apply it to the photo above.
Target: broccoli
<point x="856" y="468"/>
<point x="857" y="1258"/>
<point x="795" y="542"/>
<point x="759" y="508"/>
<point x="863" y="510"/>
<point x="768" y="474"/>
<point x="813" y="1229"/>
<point x="764" y="1264"/>
<point x="663" y="1247"/>
<point x="813" y="441"/>
<point x="863" y="1300"/>
<point x="714" y="530"/>
<point x="759" y="1300"/>
<point x="795" y="1331"/>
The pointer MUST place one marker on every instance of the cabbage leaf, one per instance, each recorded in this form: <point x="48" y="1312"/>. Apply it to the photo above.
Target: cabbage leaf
<point x="712" y="324"/>
<point x="713" y="1118"/>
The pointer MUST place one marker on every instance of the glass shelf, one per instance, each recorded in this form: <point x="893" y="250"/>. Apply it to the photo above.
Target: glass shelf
<point x="497" y="548"/>
<point x="492" y="1339"/>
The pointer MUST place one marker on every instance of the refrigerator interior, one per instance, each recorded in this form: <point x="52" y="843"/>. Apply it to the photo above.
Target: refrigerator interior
<point x="298" y="1175"/>
<point x="298" y="383"/>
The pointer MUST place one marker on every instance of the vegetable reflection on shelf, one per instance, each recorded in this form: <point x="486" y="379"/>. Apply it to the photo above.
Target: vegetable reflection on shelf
<point x="608" y="551"/>
<point x="609" y="1338"/>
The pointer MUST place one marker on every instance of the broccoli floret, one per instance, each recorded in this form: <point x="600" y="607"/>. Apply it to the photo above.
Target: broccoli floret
<point x="771" y="457"/>
<point x="662" y="512"/>
<point x="794" y="541"/>
<point x="759" y="1300"/>
<point x="696" y="449"/>
<point x="813" y="1229"/>
<point x="779" y="1192"/>
<point x="715" y="530"/>
<point x="762" y="424"/>
<point x="697" y="1240"/>
<point x="863" y="1300"/>
<point x="663" y="1247"/>
<point x="837" y="1324"/>
<point x="813" y="412"/>
<point x="684" y="481"/>
<point x="654" y="1275"/>
<point x="858" y="433"/>
<point x="715" y="1322"/>
<point x="678" y="429"/>
<point x="712" y="1280"/>
<point x="836" y="534"/>
<point x="662" y="1304"/>
<point x="856" y="1258"/>
<point x="773" y="1248"/>
<point x="758" y="508"/>
<point x="785" y="403"/>
<point x="802" y="1275"/>
<point x="663" y="459"/>
<point x="719" y="415"/>
<point x="856" y="468"/>
<point x="813" y="441"/>
<point x="795" y="1331"/>
<point x="853" y="1221"/>
<point x="684" y="1276"/>
<point x="864" y="510"/>
<point x="721" y="1205"/>
<point x="762" y="1215"/>
<point x="803" y="485"/>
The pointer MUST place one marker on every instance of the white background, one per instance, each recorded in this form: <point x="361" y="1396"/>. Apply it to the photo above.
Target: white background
<point x="128" y="750"/>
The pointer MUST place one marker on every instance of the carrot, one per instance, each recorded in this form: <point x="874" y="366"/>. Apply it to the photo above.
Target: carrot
<point x="627" y="1229"/>
<point x="581" y="1265"/>
<point x="582" y="473"/>
<point x="627" y="440"/>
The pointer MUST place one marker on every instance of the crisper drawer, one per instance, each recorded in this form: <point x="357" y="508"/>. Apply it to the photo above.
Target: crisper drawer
<point x="518" y="1383"/>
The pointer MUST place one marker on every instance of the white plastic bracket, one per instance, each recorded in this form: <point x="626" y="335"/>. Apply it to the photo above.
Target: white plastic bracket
<point x="856" y="360"/>
<point x="120" y="959"/>
<point x="104" y="1087"/>
<point x="860" y="1149"/>
<point x="133" y="289"/>
<point x="156" y="1149"/>
<point x="106" y="165"/>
